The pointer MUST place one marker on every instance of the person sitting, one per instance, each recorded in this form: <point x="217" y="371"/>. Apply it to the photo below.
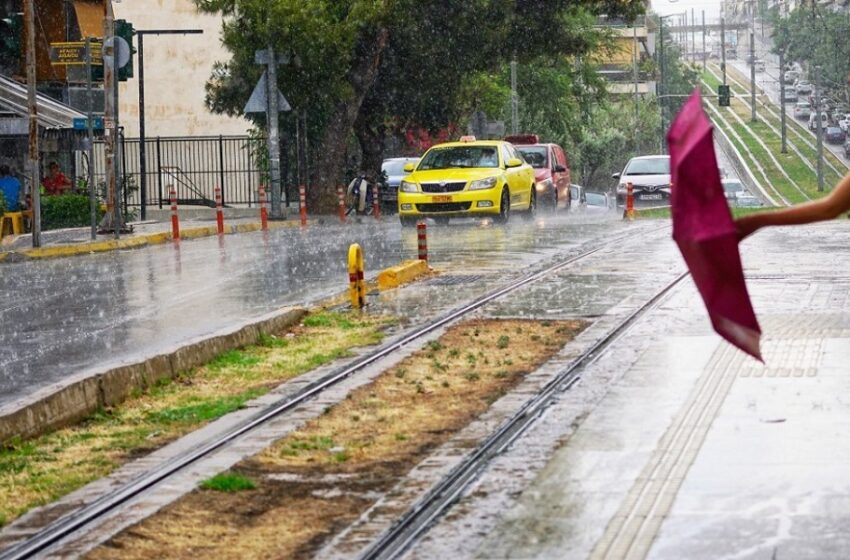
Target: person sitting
<point x="56" y="182"/>
<point x="11" y="188"/>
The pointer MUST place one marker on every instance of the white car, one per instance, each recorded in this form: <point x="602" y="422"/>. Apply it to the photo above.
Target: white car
<point x="650" y="179"/>
<point x="802" y="110"/>
<point x="803" y="87"/>
<point x="733" y="189"/>
<point x="748" y="201"/>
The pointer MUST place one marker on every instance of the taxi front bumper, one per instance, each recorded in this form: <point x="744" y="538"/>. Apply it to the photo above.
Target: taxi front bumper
<point x="451" y="204"/>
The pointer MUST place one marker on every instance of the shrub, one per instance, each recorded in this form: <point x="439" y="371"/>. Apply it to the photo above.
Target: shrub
<point x="66" y="211"/>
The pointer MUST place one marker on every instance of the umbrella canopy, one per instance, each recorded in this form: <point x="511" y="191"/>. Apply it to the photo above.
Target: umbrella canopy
<point x="704" y="230"/>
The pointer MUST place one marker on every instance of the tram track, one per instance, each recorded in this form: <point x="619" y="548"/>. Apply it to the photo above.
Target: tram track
<point x="423" y="514"/>
<point x="88" y="516"/>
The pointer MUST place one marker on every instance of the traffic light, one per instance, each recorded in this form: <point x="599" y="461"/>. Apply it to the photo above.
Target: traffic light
<point x="723" y="96"/>
<point x="125" y="30"/>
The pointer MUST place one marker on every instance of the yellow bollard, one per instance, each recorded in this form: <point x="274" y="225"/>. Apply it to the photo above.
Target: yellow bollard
<point x="356" y="281"/>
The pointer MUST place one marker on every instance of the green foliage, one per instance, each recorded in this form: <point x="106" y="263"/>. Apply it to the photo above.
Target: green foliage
<point x="817" y="36"/>
<point x="66" y="211"/>
<point x="202" y="409"/>
<point x="228" y="482"/>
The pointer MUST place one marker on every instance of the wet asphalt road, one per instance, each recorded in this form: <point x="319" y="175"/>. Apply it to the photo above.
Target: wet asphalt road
<point x="71" y="316"/>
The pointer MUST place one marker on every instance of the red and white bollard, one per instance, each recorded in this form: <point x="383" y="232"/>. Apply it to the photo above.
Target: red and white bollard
<point x="376" y="202"/>
<point x="340" y="194"/>
<point x="264" y="213"/>
<point x="630" y="202"/>
<point x="422" y="236"/>
<point x="219" y="212"/>
<point x="302" y="204"/>
<point x="175" y="220"/>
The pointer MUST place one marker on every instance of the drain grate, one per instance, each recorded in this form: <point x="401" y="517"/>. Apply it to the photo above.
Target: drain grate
<point x="454" y="279"/>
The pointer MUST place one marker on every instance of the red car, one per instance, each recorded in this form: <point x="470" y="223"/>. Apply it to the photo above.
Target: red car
<point x="551" y="169"/>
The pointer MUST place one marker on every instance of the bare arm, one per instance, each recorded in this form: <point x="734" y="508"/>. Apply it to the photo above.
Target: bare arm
<point x="827" y="208"/>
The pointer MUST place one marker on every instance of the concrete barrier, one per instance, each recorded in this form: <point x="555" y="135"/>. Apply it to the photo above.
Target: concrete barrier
<point x="402" y="274"/>
<point x="78" y="397"/>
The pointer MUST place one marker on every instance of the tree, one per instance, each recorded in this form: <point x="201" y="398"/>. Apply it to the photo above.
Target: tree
<point x="361" y="66"/>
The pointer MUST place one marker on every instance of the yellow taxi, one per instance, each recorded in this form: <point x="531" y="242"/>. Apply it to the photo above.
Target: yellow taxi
<point x="467" y="178"/>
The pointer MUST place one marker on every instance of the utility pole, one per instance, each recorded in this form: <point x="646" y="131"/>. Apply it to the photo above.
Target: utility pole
<point x="635" y="76"/>
<point x="274" y="134"/>
<point x="90" y="139"/>
<point x="662" y="98"/>
<point x="819" y="129"/>
<point x="704" y="57"/>
<point x="112" y="219"/>
<point x="693" y="36"/>
<point x="753" y="75"/>
<point x="514" y="99"/>
<point x="723" y="49"/>
<point x="782" y="100"/>
<point x="32" y="102"/>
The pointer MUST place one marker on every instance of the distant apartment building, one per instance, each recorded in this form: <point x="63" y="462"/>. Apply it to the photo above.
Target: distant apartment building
<point x="633" y="46"/>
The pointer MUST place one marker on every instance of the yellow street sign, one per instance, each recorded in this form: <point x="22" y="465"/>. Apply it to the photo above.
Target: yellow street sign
<point x="74" y="53"/>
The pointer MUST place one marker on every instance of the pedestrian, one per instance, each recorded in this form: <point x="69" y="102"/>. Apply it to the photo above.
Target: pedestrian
<point x="11" y="188"/>
<point x="56" y="182"/>
<point x="827" y="208"/>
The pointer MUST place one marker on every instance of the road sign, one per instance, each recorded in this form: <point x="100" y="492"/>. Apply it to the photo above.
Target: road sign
<point x="74" y="53"/>
<point x="81" y="123"/>
<point x="258" y="103"/>
<point x="123" y="50"/>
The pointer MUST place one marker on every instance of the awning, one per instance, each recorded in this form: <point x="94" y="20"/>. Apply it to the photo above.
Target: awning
<point x="89" y="18"/>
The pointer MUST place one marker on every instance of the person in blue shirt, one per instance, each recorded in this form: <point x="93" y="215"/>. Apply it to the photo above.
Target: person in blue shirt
<point x="11" y="188"/>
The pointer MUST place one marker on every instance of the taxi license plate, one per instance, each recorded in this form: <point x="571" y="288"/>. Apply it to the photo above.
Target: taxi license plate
<point x="441" y="199"/>
<point x="650" y="196"/>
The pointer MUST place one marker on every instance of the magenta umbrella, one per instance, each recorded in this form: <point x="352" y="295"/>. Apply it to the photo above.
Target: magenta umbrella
<point x="704" y="230"/>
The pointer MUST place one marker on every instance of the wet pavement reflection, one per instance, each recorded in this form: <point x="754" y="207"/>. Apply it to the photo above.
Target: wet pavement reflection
<point x="72" y="316"/>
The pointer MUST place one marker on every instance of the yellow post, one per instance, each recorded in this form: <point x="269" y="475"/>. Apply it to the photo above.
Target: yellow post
<point x="356" y="281"/>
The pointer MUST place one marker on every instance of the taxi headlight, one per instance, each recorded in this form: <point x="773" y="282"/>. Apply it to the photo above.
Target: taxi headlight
<point x="483" y="184"/>
<point x="407" y="186"/>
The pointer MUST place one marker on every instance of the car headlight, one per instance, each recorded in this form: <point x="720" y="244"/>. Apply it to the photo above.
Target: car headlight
<point x="483" y="184"/>
<point x="407" y="186"/>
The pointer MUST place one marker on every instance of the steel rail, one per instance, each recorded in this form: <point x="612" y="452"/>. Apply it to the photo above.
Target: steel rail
<point x="79" y="519"/>
<point x="419" y="518"/>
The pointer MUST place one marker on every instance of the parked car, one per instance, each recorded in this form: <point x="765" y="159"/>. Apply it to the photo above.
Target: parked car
<point x="748" y="201"/>
<point x="597" y="202"/>
<point x="551" y="169"/>
<point x="802" y="110"/>
<point x="834" y="135"/>
<point x="813" y="119"/>
<point x="803" y="87"/>
<point x="578" y="197"/>
<point x="847" y="149"/>
<point x="467" y="178"/>
<point x="791" y="95"/>
<point x="749" y="59"/>
<point x="650" y="179"/>
<point x="393" y="170"/>
<point x="790" y="76"/>
<point x="731" y="53"/>
<point x="733" y="188"/>
<point x="759" y="64"/>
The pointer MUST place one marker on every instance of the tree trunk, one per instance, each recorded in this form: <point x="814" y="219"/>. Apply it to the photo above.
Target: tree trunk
<point x="330" y="157"/>
<point x="371" y="139"/>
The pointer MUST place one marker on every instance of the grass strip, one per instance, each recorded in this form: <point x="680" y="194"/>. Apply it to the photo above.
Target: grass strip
<point x="40" y="471"/>
<point x="318" y="480"/>
<point x="665" y="213"/>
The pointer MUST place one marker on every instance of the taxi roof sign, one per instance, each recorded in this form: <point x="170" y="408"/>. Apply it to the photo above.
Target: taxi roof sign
<point x="467" y="138"/>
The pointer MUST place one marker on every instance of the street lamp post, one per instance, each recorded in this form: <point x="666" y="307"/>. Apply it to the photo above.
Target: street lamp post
<point x="819" y="129"/>
<point x="143" y="160"/>
<point x="661" y="86"/>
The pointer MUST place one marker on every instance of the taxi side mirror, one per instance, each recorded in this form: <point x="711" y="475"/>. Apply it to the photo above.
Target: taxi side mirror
<point x="409" y="167"/>
<point x="513" y="162"/>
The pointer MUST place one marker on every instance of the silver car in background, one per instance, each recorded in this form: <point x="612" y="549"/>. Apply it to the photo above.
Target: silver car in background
<point x="393" y="169"/>
<point x="650" y="179"/>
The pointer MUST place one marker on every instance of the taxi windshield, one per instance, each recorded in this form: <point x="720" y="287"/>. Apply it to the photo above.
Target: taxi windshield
<point x="460" y="157"/>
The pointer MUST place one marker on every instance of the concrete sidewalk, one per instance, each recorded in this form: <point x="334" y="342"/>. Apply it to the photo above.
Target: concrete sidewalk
<point x="676" y="445"/>
<point x="194" y="223"/>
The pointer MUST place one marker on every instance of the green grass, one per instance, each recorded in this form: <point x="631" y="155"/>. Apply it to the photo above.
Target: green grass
<point x="228" y="482"/>
<point x="197" y="409"/>
<point x="665" y="213"/>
